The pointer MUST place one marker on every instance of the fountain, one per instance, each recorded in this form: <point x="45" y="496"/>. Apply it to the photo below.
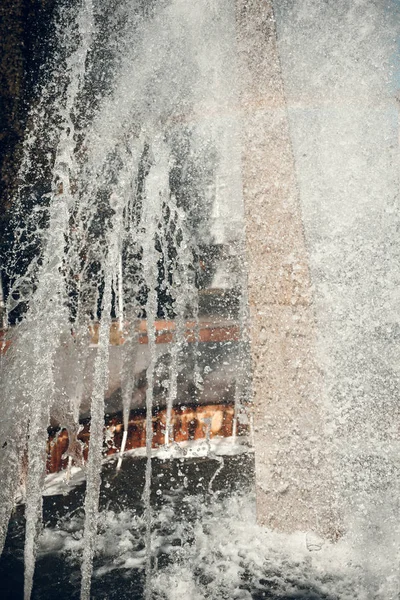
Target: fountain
<point x="160" y="128"/>
<point x="123" y="183"/>
<point x="325" y="89"/>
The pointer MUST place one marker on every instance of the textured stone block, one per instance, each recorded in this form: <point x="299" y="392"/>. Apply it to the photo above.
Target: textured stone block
<point x="293" y="476"/>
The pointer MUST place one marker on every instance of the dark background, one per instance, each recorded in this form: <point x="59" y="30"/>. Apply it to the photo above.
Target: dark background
<point x="26" y="33"/>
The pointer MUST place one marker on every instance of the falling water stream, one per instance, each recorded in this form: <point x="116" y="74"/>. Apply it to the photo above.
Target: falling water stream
<point x="124" y="167"/>
<point x="131" y="169"/>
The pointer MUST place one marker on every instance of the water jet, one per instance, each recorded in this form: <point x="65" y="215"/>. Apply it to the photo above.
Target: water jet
<point x="193" y="251"/>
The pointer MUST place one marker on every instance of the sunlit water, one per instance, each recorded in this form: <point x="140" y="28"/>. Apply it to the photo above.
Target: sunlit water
<point x="130" y="156"/>
<point x="132" y="164"/>
<point x="205" y="542"/>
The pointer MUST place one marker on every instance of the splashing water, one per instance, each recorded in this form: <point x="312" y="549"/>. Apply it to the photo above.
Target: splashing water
<point x="343" y="115"/>
<point x="131" y="166"/>
<point x="124" y="168"/>
<point x="205" y="547"/>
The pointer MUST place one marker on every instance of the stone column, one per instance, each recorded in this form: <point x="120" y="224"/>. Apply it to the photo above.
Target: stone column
<point x="292" y="472"/>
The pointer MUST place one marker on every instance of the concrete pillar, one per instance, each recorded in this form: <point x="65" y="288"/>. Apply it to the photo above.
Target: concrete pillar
<point x="293" y="478"/>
